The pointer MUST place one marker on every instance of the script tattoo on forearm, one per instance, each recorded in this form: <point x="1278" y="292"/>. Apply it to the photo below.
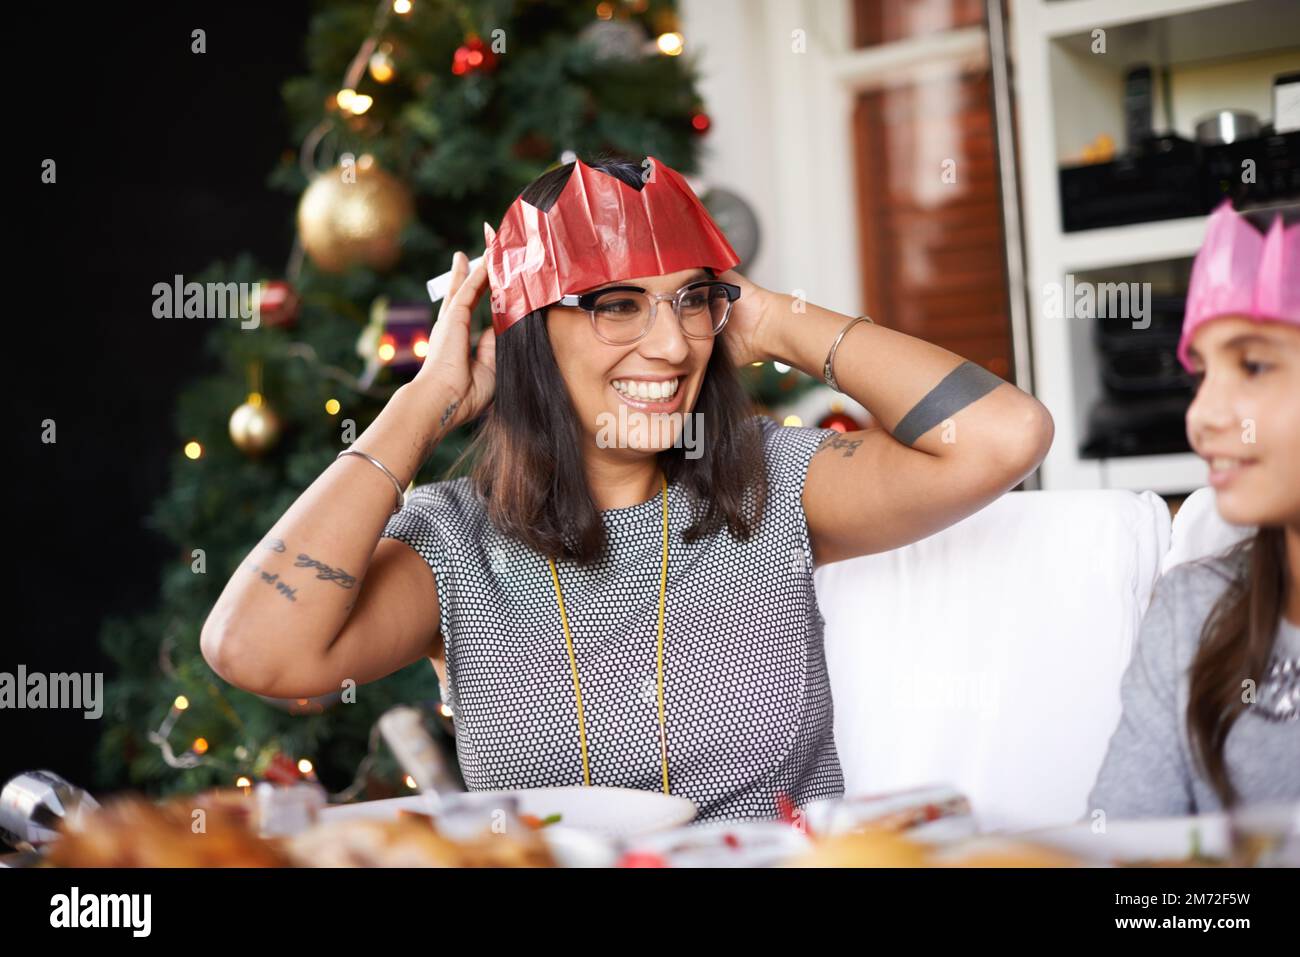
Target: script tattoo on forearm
<point x="958" y="389"/>
<point x="447" y="413"/>
<point x="273" y="579"/>
<point x="274" y="544"/>
<point x="838" y="442"/>
<point x="324" y="572"/>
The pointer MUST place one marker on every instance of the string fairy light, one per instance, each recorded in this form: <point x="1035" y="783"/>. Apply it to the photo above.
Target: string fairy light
<point x="671" y="44"/>
<point x="380" y="65"/>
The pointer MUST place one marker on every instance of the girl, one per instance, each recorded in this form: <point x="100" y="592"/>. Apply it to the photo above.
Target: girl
<point x="1211" y="697"/>
<point x="620" y="610"/>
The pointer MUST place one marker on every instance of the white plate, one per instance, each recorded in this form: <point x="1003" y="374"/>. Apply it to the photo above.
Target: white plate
<point x="378" y="810"/>
<point x="847" y="813"/>
<point x="611" y="812"/>
<point x="1168" y="838"/>
<point x="574" y="848"/>
<point x="738" y="843"/>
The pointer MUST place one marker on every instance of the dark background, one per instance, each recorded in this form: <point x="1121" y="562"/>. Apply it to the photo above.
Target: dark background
<point x="162" y="157"/>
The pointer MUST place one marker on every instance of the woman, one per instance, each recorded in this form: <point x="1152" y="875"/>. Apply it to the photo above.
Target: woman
<point x="637" y="612"/>
<point x="1212" y="694"/>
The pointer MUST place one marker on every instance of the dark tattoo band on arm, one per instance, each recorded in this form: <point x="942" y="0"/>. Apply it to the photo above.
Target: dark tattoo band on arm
<point x="958" y="389"/>
<point x="839" y="442"/>
<point x="325" y="573"/>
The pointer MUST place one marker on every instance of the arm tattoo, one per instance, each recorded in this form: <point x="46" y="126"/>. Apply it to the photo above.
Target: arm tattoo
<point x="429" y="446"/>
<point x="839" y="442"/>
<point x="447" y="413"/>
<point x="273" y="579"/>
<point x="325" y="573"/>
<point x="274" y="544"/>
<point x="958" y="389"/>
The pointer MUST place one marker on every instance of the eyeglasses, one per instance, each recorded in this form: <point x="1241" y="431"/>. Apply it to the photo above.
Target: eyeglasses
<point x="624" y="314"/>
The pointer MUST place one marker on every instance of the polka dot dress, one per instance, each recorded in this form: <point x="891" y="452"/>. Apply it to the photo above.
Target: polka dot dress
<point x="747" y="697"/>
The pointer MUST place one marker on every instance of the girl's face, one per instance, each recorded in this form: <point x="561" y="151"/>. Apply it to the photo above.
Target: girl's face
<point x="1245" y="419"/>
<point x="669" y="365"/>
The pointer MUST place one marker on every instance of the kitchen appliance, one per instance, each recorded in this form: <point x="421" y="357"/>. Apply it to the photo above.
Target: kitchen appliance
<point x="1226" y="126"/>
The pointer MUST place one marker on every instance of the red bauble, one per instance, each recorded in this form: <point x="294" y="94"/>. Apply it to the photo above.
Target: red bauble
<point x="278" y="304"/>
<point x="282" y="770"/>
<point x="839" y="422"/>
<point x="473" y="55"/>
<point x="700" y="122"/>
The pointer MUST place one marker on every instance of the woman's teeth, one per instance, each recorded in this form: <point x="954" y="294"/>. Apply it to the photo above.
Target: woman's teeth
<point x="646" y="391"/>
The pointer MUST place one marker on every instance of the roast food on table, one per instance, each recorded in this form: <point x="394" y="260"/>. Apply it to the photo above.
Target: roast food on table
<point x="220" y="829"/>
<point x="412" y="840"/>
<point x="203" y="830"/>
<point x="885" y="847"/>
<point x="231" y="828"/>
<point x="928" y="826"/>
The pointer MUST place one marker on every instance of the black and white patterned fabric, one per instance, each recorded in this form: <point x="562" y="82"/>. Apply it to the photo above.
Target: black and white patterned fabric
<point x="747" y="696"/>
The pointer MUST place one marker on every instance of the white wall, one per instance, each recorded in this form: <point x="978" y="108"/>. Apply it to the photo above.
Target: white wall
<point x="781" y="136"/>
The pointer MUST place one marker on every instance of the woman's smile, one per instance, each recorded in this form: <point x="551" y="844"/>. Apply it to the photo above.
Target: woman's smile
<point x="659" y="394"/>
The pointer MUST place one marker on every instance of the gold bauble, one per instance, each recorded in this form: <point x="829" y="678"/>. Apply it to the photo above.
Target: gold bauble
<point x="357" y="220"/>
<point x="254" y="427"/>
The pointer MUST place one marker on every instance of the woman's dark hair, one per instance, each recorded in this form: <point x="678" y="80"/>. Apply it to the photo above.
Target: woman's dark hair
<point x="1236" y="644"/>
<point x="527" y="454"/>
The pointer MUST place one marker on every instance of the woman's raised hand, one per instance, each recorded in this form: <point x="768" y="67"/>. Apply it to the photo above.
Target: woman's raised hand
<point x="449" y="363"/>
<point x="747" y="330"/>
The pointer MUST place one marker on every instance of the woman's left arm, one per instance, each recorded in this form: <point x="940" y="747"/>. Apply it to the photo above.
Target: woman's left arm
<point x="954" y="438"/>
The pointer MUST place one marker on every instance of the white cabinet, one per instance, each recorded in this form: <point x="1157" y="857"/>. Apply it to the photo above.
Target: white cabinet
<point x="1220" y="55"/>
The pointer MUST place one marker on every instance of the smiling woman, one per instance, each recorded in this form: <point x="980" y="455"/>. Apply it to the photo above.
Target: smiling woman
<point x="534" y="465"/>
<point x="623" y="613"/>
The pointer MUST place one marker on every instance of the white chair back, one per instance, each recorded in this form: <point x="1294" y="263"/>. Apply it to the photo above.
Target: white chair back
<point x="989" y="656"/>
<point x="1199" y="531"/>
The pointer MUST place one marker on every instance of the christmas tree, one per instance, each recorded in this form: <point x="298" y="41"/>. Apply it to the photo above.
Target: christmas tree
<point x="417" y="123"/>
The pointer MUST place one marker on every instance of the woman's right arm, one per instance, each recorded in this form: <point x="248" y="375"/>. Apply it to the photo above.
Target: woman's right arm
<point x="321" y="598"/>
<point x="279" y="626"/>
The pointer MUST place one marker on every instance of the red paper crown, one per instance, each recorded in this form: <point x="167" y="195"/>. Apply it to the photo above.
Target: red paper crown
<point x="599" y="230"/>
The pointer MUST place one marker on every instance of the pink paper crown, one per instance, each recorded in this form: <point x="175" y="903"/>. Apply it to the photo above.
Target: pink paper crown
<point x="1241" y="272"/>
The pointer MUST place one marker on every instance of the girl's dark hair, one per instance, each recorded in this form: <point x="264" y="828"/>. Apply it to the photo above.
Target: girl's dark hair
<point x="1236" y="644"/>
<point x="527" y="454"/>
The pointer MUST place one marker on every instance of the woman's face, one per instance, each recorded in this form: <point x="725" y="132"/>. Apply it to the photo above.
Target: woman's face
<point x="662" y="361"/>
<point x="1245" y="419"/>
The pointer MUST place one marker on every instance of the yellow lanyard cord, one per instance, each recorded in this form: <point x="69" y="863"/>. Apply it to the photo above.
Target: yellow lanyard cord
<point x="573" y="663"/>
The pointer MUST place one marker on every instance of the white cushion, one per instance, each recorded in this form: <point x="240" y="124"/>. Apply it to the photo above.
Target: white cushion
<point x="1199" y="531"/>
<point x="989" y="655"/>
